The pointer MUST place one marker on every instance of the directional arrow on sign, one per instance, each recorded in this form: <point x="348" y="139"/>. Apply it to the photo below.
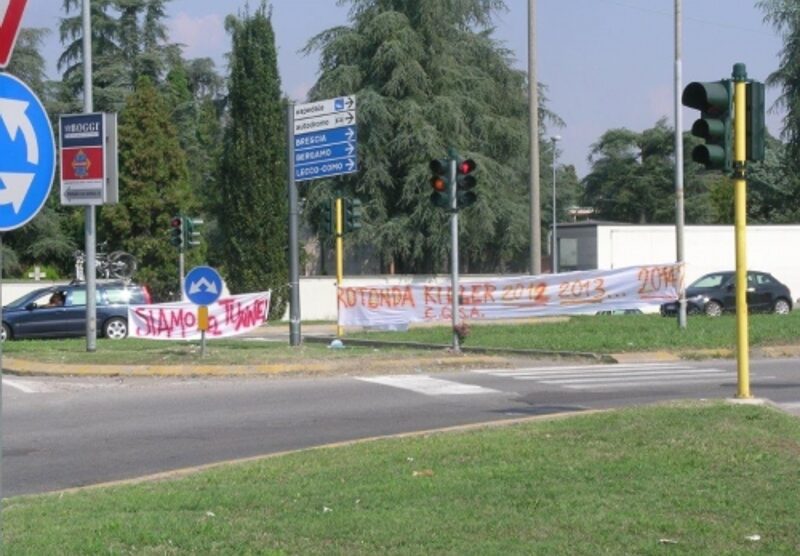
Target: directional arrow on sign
<point x="203" y="285"/>
<point x="16" y="189"/>
<point x="9" y="27"/>
<point x="12" y="112"/>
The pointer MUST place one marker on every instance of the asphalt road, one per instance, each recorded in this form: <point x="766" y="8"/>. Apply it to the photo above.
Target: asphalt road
<point x="66" y="432"/>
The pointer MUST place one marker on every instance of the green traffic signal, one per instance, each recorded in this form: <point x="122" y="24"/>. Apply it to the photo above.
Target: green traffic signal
<point x="754" y="116"/>
<point x="353" y="211"/>
<point x="191" y="235"/>
<point x="329" y="219"/>
<point x="715" y="126"/>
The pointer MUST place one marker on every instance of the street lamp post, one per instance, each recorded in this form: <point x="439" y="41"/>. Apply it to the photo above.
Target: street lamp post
<point x="555" y="139"/>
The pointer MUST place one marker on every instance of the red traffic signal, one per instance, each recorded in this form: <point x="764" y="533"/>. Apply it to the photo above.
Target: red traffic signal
<point x="176" y="222"/>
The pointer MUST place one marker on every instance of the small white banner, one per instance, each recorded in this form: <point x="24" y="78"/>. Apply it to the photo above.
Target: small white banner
<point x="227" y="317"/>
<point x="570" y="293"/>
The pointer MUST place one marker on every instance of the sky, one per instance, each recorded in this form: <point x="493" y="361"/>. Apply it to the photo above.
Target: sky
<point x="606" y="63"/>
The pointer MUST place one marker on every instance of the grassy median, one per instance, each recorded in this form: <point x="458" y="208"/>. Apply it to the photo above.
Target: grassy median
<point x="693" y="478"/>
<point x="611" y="333"/>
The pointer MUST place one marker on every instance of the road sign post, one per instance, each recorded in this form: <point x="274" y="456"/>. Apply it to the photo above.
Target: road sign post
<point x="322" y="144"/>
<point x="88" y="159"/>
<point x="202" y="286"/>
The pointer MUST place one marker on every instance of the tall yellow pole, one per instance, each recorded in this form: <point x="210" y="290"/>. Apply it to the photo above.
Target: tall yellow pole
<point x="740" y="205"/>
<point x="339" y="257"/>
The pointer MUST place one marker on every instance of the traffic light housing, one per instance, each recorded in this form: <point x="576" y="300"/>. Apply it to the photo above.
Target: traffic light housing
<point x="176" y="236"/>
<point x="329" y="219"/>
<point x="353" y="211"/>
<point x="466" y="183"/>
<point x="191" y="234"/>
<point x="715" y="126"/>
<point x="440" y="182"/>
<point x="756" y="129"/>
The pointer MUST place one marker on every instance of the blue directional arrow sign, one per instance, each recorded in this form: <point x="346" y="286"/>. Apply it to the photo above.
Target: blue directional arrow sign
<point x="203" y="285"/>
<point x="325" y="138"/>
<point x="27" y="154"/>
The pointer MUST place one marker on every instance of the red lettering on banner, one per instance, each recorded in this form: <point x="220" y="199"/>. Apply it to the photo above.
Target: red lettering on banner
<point x="377" y="298"/>
<point x="243" y="316"/>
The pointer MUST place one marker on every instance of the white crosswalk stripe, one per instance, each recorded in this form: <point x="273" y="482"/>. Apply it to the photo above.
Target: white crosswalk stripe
<point x="611" y="376"/>
<point x="430" y="386"/>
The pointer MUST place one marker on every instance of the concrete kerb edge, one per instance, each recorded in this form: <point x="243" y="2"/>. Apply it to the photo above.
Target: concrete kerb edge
<point x="603" y="358"/>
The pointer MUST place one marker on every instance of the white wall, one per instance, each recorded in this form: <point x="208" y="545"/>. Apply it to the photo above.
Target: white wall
<point x="770" y="249"/>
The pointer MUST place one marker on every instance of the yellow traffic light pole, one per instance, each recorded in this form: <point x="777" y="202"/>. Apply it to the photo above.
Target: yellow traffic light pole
<point x="740" y="204"/>
<point x="339" y="258"/>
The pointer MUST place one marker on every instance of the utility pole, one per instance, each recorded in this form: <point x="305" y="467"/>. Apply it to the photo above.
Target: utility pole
<point x="533" y="134"/>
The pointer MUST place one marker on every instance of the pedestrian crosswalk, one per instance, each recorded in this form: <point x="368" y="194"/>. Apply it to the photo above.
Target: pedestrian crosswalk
<point x="430" y="386"/>
<point x="584" y="377"/>
<point x="575" y="377"/>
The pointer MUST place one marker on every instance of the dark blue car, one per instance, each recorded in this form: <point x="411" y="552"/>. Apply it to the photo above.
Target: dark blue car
<point x="60" y="311"/>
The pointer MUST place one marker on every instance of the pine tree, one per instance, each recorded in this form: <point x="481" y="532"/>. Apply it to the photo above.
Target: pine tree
<point x="153" y="188"/>
<point x="428" y="76"/>
<point x="252" y="212"/>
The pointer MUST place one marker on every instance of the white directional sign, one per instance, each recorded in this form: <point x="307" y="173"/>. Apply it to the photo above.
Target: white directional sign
<point x="321" y="107"/>
<point x="325" y="142"/>
<point x="27" y="163"/>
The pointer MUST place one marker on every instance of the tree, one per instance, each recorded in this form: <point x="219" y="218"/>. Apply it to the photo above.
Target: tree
<point x="252" y="178"/>
<point x="429" y="76"/>
<point x="784" y="15"/>
<point x="632" y="178"/>
<point x="153" y="188"/>
<point x="110" y="79"/>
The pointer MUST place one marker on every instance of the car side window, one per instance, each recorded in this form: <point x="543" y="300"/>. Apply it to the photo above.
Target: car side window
<point x="76" y="297"/>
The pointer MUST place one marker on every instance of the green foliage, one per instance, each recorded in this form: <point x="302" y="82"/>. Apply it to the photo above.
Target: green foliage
<point x="252" y="208"/>
<point x="633" y="178"/>
<point x="429" y="76"/>
<point x="153" y="187"/>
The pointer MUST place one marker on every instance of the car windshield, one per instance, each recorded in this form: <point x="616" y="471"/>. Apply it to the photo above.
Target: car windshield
<point x="710" y="281"/>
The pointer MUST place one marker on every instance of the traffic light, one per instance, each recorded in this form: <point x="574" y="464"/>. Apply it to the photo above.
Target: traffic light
<point x="191" y="236"/>
<point x="466" y="183"/>
<point x="329" y="219"/>
<point x="754" y="118"/>
<point x="440" y="182"/>
<point x="353" y="212"/>
<point x="715" y="102"/>
<point x="176" y="236"/>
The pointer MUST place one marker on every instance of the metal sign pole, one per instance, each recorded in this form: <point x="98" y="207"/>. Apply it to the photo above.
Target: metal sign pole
<point x="294" y="256"/>
<point x="1" y="395"/>
<point x="454" y="250"/>
<point x="90" y="237"/>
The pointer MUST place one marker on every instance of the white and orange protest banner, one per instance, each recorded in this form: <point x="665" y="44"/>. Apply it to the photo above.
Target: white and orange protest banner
<point x="570" y="293"/>
<point x="229" y="316"/>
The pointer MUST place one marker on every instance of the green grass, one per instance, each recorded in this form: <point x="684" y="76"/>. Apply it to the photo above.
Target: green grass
<point x="218" y="352"/>
<point x="702" y="476"/>
<point x="612" y="333"/>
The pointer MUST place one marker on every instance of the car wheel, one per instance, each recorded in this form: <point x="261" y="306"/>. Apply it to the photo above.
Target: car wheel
<point x="6" y="333"/>
<point x="116" y="329"/>
<point x="713" y="309"/>
<point x="781" y="307"/>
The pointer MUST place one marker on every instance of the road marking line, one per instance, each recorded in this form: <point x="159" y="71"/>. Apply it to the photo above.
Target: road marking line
<point x="600" y="377"/>
<point x="25" y="386"/>
<point x="559" y="369"/>
<point x="427" y="385"/>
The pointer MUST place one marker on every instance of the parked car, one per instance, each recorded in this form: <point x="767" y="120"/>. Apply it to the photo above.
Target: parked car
<point x="60" y="311"/>
<point x="715" y="293"/>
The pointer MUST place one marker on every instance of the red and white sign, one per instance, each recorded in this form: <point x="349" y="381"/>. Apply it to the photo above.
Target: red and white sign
<point x="570" y="293"/>
<point x="10" y="22"/>
<point x="228" y="316"/>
